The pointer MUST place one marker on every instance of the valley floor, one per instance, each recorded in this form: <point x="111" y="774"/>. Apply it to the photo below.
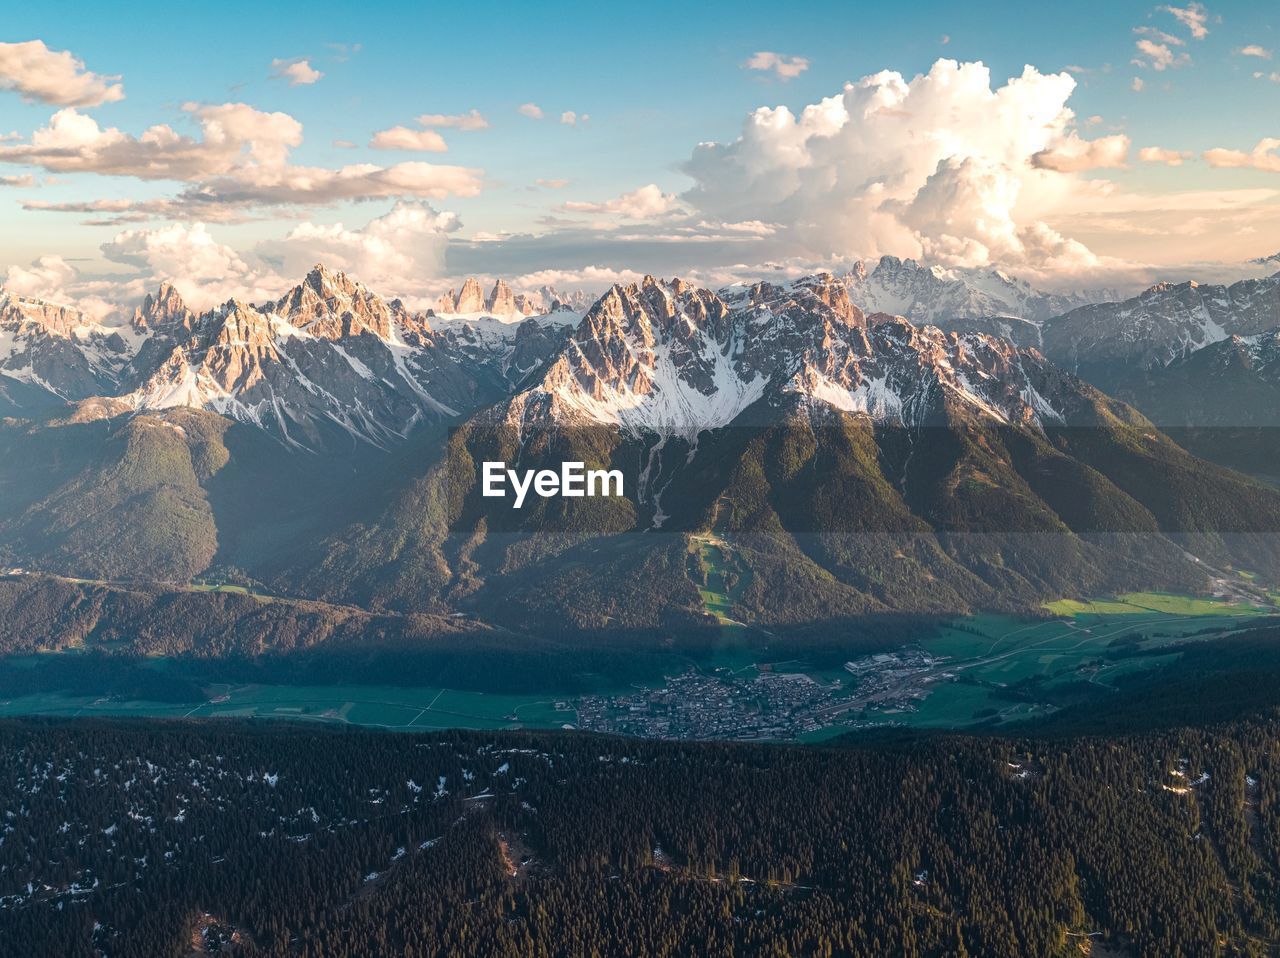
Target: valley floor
<point x="978" y="670"/>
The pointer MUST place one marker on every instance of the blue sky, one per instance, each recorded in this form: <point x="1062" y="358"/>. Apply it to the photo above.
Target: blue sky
<point x="655" y="80"/>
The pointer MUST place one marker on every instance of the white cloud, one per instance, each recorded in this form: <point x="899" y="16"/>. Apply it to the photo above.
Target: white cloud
<point x="471" y="120"/>
<point x="1159" y="56"/>
<point x="939" y="167"/>
<point x="403" y="138"/>
<point x="1264" y="156"/>
<point x="234" y="135"/>
<point x="750" y="227"/>
<point x="783" y="67"/>
<point x="645" y="203"/>
<point x="46" y="278"/>
<point x="1273" y="76"/>
<point x="1074" y="155"/>
<point x="298" y="72"/>
<point x="1138" y="85"/>
<point x="204" y="271"/>
<point x="1193" y="16"/>
<point x="241" y="159"/>
<point x="400" y="253"/>
<point x="53" y="279"/>
<point x="531" y="110"/>
<point x="54" y="76"/>
<point x="570" y="118"/>
<point x="1254" y="50"/>
<point x="21" y="181"/>
<point x="593" y="278"/>
<point x="552" y="184"/>
<point x="1156" y="154"/>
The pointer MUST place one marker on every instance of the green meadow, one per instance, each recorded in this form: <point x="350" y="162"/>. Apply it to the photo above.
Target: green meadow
<point x="382" y="706"/>
<point x="1002" y="667"/>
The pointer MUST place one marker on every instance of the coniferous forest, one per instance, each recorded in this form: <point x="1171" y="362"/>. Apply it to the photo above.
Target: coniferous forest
<point x="170" y="839"/>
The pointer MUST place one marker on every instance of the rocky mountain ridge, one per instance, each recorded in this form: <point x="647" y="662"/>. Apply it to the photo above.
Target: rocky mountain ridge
<point x="933" y="294"/>
<point x="663" y="356"/>
<point x="667" y="358"/>
<point x="325" y="445"/>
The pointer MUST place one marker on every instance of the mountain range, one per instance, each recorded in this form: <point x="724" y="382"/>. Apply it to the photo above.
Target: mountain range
<point x="837" y="458"/>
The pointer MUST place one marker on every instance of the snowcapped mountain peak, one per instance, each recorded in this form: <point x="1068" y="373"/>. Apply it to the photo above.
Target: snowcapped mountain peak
<point x="58" y="352"/>
<point x="56" y="319"/>
<point x="672" y="359"/>
<point x="1165" y="322"/>
<point x="933" y="294"/>
<point x="654" y="356"/>
<point x="820" y="295"/>
<point x="502" y="302"/>
<point x="335" y="306"/>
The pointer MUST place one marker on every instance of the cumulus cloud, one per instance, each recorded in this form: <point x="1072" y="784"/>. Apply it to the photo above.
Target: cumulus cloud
<point x="1254" y="50"/>
<point x="471" y="120"/>
<point x="297" y="72"/>
<point x="401" y="253"/>
<point x="1264" y="156"/>
<point x="54" y="76"/>
<point x="570" y="118"/>
<point x="644" y="203"/>
<point x="783" y="67"/>
<point x="940" y="167"/>
<point x="240" y="159"/>
<point x="1156" y="154"/>
<point x="531" y="110"/>
<point x="24" y="180"/>
<point x="45" y="278"/>
<point x="234" y="134"/>
<point x="204" y="271"/>
<point x="591" y="278"/>
<point x="1074" y="155"/>
<point x="403" y="138"/>
<point x="1138" y="85"/>
<point x="53" y="279"/>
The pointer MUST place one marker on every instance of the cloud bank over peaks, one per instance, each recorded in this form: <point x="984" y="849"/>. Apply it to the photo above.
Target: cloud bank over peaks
<point x="942" y="167"/>
<point x="401" y="253"/>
